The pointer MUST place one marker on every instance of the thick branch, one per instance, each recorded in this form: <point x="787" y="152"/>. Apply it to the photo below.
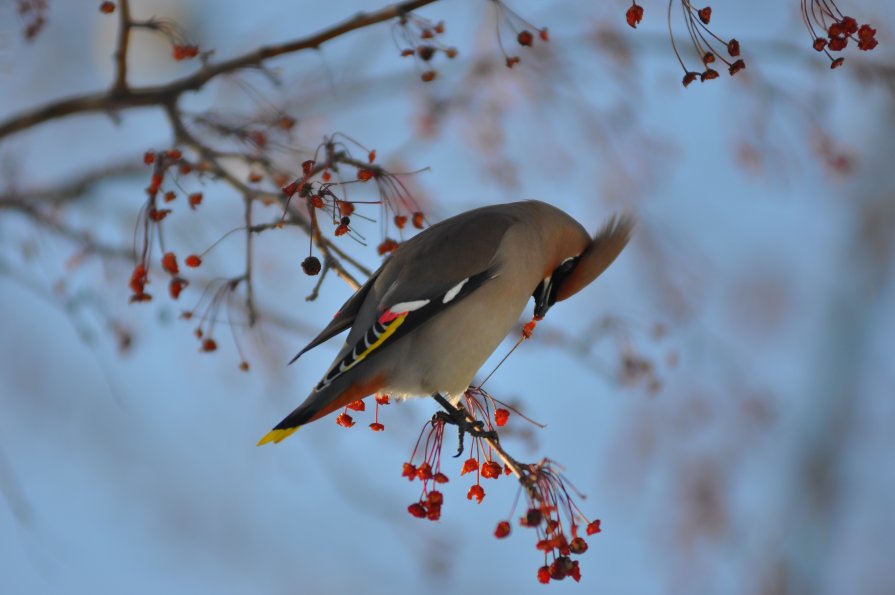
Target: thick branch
<point x="120" y="98"/>
<point x="124" y="35"/>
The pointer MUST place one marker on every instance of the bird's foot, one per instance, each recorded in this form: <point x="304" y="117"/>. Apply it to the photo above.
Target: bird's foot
<point x="457" y="416"/>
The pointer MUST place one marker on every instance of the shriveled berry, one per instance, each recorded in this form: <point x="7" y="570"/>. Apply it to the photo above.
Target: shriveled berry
<point x="469" y="465"/>
<point x="491" y="470"/>
<point x="418" y="220"/>
<point x="634" y="15"/>
<point x="311" y="265"/>
<point x="425" y="52"/>
<point x="409" y="471"/>
<point x="476" y="492"/>
<point x="733" y="48"/>
<point x="578" y="546"/>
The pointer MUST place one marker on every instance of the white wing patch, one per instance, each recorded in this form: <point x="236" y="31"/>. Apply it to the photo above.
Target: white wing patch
<point x="408" y="306"/>
<point x="453" y="291"/>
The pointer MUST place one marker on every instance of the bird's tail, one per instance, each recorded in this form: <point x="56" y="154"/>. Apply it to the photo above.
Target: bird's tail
<point x="320" y="403"/>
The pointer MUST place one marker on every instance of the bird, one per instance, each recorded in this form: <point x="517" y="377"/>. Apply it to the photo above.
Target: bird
<point x="440" y="305"/>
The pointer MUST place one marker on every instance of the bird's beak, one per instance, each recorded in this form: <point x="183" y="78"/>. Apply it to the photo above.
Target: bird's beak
<point x="545" y="296"/>
<point x="545" y="292"/>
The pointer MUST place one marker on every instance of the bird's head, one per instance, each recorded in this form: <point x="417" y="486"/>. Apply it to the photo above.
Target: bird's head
<point x="576" y="259"/>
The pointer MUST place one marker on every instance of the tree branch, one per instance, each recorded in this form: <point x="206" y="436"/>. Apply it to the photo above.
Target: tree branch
<point x="124" y="34"/>
<point x="120" y="97"/>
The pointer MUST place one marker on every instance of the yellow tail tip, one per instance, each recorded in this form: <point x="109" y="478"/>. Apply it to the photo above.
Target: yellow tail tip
<point x="276" y="436"/>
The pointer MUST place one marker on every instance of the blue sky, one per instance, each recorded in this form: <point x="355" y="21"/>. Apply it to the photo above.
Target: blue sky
<point x="139" y="472"/>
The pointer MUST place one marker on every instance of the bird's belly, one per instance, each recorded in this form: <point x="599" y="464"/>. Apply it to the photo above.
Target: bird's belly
<point x="446" y="353"/>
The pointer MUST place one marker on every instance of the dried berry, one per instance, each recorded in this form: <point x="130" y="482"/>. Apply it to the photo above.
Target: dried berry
<point x="634" y="15"/>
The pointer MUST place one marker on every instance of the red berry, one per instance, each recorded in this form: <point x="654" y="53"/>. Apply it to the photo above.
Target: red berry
<point x="733" y="48"/>
<point x="175" y="287"/>
<point x="502" y="530"/>
<point x="169" y="263"/>
<point x="417" y="510"/>
<point x="307" y="167"/>
<point x="634" y="15"/>
<point x="418" y="220"/>
<point x="469" y="466"/>
<point x="476" y="492"/>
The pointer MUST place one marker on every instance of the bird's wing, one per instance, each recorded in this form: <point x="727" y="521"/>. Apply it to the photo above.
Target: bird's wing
<point x="344" y="318"/>
<point x="398" y="320"/>
<point x="426" y="275"/>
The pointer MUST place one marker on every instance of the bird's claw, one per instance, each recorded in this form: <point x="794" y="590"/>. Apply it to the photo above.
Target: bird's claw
<point x="457" y="417"/>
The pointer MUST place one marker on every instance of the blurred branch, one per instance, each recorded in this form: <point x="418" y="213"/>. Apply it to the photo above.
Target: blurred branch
<point x="121" y="97"/>
<point x="42" y="219"/>
<point x="124" y="33"/>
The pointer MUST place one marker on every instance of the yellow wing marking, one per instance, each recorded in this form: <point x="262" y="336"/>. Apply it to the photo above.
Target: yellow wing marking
<point x="389" y="331"/>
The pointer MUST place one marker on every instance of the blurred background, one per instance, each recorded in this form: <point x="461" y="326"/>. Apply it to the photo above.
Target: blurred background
<point x="722" y="395"/>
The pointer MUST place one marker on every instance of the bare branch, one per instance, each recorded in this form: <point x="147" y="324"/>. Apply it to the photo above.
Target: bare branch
<point x="124" y="33"/>
<point x="121" y="98"/>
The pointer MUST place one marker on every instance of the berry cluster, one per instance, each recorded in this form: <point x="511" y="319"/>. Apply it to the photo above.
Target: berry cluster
<point x="420" y="38"/>
<point x="556" y="520"/>
<point x="34" y="13"/>
<point x="170" y="165"/>
<point x="558" y="523"/>
<point x="831" y="30"/>
<point x="525" y="33"/>
<point x="345" y="420"/>
<point x="706" y="44"/>
<point x="324" y="189"/>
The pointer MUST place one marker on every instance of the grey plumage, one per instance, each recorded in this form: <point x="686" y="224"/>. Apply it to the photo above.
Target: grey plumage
<point x="430" y="316"/>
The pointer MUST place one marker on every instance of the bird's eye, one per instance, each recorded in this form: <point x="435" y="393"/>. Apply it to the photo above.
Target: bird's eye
<point x="564" y="270"/>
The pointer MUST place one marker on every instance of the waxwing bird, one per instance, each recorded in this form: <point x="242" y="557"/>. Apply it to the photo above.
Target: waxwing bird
<point x="427" y="320"/>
